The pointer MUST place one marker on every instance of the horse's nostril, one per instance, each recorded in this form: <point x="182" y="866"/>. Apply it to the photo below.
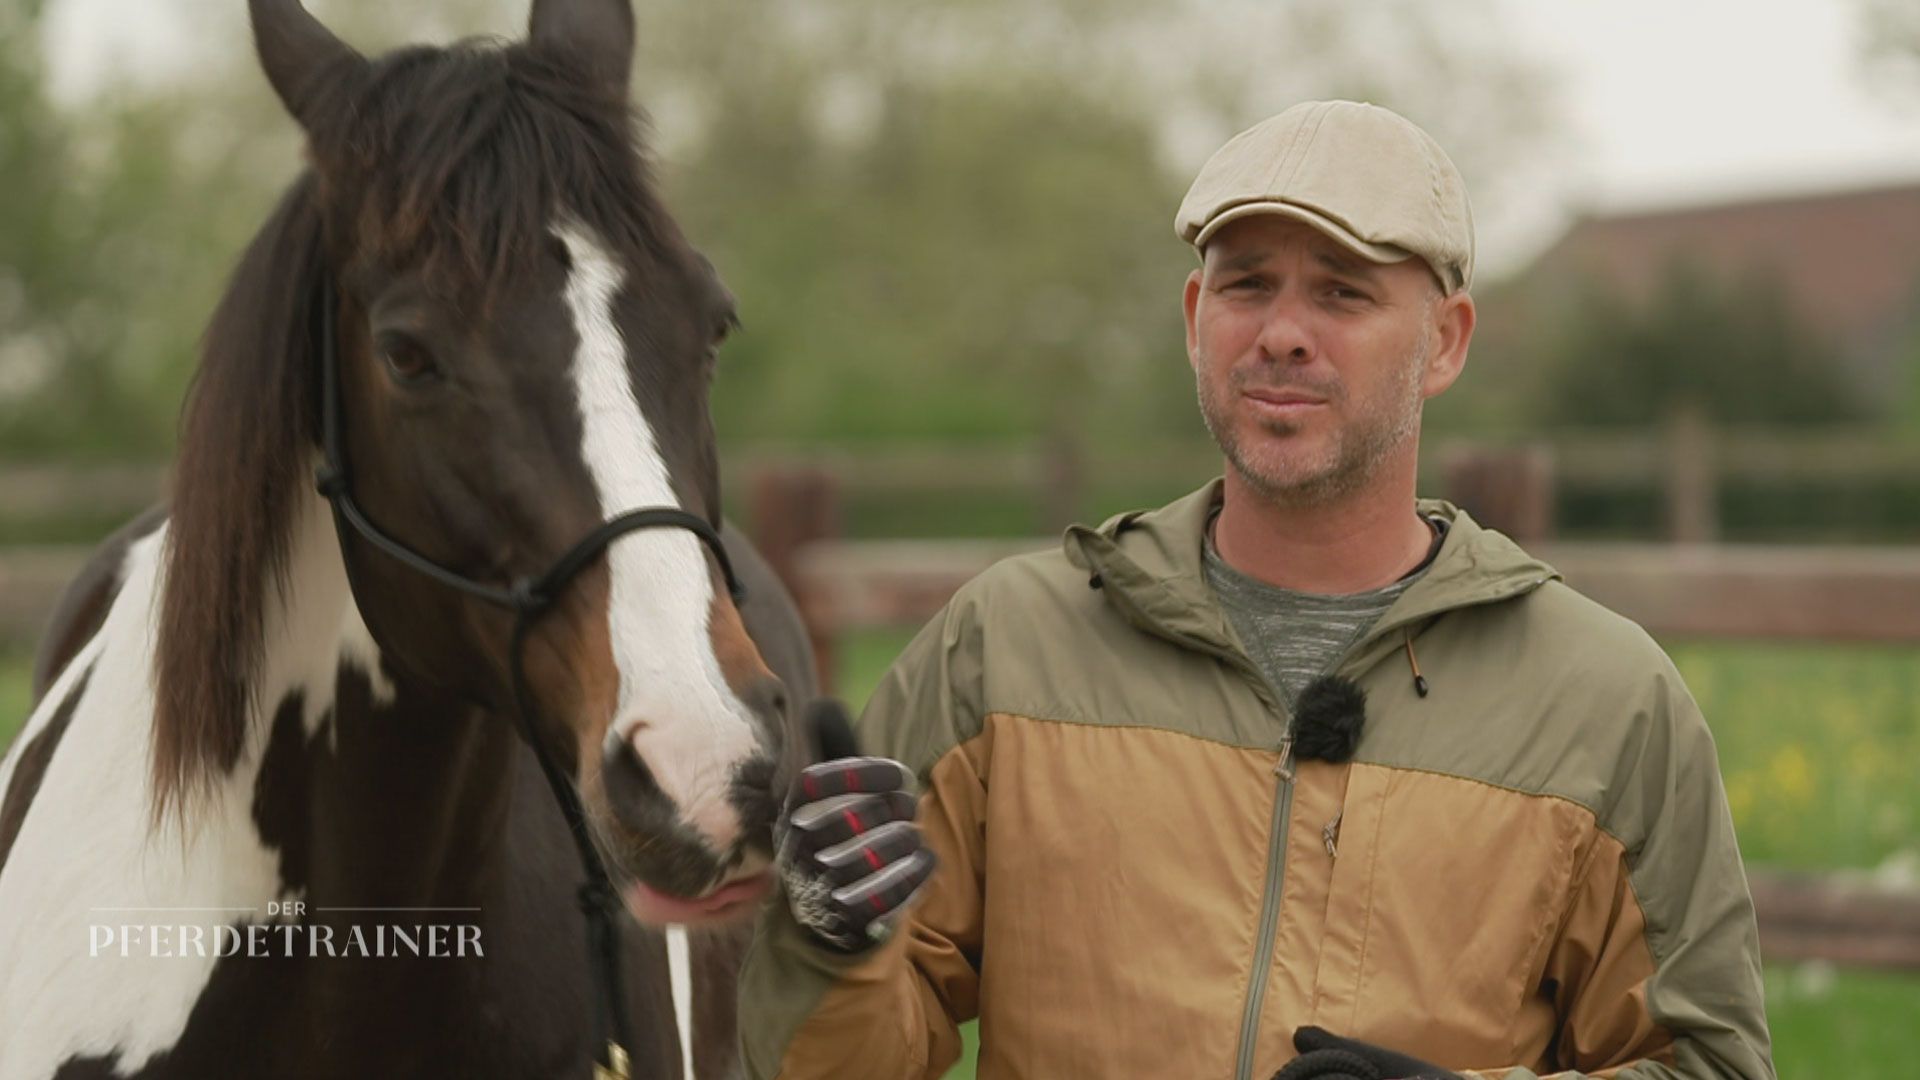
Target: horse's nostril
<point x="633" y="793"/>
<point x="767" y="697"/>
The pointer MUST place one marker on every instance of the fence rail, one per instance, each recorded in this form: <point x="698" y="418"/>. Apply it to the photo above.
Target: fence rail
<point x="1687" y="454"/>
<point x="31" y="579"/>
<point x="1838" y="920"/>
<point x="1708" y="590"/>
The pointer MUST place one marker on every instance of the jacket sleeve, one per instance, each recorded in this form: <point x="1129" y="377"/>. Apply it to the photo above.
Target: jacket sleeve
<point x="807" y="1012"/>
<point x="1656" y="970"/>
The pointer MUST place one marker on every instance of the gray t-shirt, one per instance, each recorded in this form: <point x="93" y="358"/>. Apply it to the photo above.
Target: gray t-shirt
<point x="1296" y="637"/>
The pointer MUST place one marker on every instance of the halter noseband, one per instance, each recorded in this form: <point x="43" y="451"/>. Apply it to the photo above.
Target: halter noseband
<point x="528" y="599"/>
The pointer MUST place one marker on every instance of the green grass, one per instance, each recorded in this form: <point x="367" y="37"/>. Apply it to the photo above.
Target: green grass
<point x="1854" y="1024"/>
<point x="16" y="694"/>
<point x="1818" y="747"/>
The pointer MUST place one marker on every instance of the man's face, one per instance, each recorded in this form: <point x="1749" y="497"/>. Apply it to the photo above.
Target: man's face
<point x="1312" y="363"/>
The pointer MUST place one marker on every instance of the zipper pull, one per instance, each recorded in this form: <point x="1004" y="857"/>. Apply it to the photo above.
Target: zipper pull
<point x="1284" y="768"/>
<point x="1331" y="832"/>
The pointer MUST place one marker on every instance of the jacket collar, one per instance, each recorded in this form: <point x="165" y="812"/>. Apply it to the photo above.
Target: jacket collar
<point x="1151" y="566"/>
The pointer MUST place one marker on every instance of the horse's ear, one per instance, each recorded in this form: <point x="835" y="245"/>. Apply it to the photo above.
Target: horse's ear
<point x="303" y="59"/>
<point x="595" y="36"/>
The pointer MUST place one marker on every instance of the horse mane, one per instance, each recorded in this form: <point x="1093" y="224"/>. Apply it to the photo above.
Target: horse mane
<point x="463" y="155"/>
<point x="450" y="160"/>
<point x="246" y="431"/>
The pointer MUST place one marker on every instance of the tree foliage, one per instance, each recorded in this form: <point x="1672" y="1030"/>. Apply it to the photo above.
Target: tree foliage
<point x="943" y="218"/>
<point x="1733" y="349"/>
<point x="1890" y="45"/>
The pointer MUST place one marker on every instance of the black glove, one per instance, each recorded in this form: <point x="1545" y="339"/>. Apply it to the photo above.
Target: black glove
<point x="1325" y="1056"/>
<point x="847" y="849"/>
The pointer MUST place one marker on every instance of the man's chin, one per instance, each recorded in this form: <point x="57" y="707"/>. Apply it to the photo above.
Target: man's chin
<point x="1285" y="478"/>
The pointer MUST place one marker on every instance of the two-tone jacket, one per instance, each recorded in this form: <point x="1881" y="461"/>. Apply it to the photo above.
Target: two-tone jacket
<point x="1528" y="870"/>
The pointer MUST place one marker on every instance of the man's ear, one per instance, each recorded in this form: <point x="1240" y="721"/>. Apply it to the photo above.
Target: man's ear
<point x="1453" y="321"/>
<point x="1191" y="304"/>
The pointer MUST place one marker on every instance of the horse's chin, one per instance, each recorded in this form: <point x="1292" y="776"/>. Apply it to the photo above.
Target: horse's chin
<point x="734" y="902"/>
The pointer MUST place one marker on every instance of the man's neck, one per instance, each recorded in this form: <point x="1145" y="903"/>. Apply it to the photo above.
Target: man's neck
<point x="1350" y="545"/>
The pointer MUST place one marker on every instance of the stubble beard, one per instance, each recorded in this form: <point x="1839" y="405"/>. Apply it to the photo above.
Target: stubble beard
<point x="1356" y="451"/>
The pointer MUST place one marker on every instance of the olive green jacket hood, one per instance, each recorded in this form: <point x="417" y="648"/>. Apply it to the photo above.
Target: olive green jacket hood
<point x="1152" y="566"/>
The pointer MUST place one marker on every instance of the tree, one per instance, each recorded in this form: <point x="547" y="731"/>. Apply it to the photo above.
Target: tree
<point x="120" y="224"/>
<point x="943" y="218"/>
<point x="1890" y="45"/>
<point x="953" y="219"/>
<point x="1733" y="350"/>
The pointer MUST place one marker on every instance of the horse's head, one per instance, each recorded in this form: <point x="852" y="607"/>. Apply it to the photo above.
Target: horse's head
<point x="525" y="342"/>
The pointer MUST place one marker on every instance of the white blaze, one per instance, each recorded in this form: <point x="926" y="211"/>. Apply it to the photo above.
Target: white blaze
<point x="675" y="707"/>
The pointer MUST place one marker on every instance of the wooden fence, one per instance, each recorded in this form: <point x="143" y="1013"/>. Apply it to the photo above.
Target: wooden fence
<point x="1690" y="589"/>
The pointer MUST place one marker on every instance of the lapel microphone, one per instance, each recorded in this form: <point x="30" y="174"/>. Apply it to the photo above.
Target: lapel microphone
<point x="1327" y="719"/>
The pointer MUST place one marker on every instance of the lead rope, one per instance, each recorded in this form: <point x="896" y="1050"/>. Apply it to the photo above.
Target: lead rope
<point x="528" y="600"/>
<point x="596" y="897"/>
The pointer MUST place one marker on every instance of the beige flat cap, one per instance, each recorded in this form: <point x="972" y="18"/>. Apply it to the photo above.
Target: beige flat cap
<point x="1364" y="175"/>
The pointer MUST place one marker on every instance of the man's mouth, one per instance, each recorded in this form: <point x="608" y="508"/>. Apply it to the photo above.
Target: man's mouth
<point x="1286" y="404"/>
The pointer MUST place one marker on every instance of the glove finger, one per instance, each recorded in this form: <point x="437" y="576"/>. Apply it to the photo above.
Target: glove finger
<point x="842" y="776"/>
<point x="1311" y="1038"/>
<point x="868" y="853"/>
<point x="1389" y="1064"/>
<point x="820" y="825"/>
<point x="1328" y="1065"/>
<point x="877" y="896"/>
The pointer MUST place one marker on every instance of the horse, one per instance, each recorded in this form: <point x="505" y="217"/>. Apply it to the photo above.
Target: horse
<point x="280" y="713"/>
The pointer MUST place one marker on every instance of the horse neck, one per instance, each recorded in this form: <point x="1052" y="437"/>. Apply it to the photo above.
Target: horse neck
<point x="375" y="787"/>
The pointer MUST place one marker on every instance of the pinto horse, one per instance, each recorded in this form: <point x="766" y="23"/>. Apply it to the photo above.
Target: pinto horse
<point x="261" y="726"/>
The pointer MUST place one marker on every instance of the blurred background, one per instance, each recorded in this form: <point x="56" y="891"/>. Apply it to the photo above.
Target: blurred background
<point x="1695" y="388"/>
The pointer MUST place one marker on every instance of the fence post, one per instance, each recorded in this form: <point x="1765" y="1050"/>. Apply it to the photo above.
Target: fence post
<point x="1062" y="479"/>
<point x="1691" y="483"/>
<point x="1504" y="488"/>
<point x="794" y="507"/>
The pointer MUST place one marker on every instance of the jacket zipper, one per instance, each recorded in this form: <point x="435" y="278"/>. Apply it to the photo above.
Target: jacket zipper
<point x="1355" y="660"/>
<point x="1269" y="909"/>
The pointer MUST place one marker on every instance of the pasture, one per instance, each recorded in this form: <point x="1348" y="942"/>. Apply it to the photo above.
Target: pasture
<point x="1818" y="746"/>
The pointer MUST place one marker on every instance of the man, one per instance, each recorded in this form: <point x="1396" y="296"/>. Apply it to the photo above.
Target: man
<point x="1297" y="754"/>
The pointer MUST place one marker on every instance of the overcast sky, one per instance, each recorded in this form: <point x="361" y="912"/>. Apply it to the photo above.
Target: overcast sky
<point x="1669" y="100"/>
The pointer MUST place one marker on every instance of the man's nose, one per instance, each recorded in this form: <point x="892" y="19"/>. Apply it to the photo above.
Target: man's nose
<point x="1286" y="336"/>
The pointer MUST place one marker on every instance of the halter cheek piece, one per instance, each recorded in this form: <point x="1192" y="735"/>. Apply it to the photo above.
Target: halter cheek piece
<point x="528" y="599"/>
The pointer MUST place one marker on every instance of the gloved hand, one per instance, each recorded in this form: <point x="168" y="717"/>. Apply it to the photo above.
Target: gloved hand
<point x="1325" y="1056"/>
<point x="848" y="852"/>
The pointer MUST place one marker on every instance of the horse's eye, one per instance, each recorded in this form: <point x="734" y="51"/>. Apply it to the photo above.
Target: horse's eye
<point x="409" y="362"/>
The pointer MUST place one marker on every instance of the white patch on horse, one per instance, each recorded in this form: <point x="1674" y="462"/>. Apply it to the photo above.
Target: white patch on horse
<point x="680" y="977"/>
<point x="675" y="707"/>
<point x="85" y="846"/>
<point x="42" y="715"/>
<point x="313" y="628"/>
